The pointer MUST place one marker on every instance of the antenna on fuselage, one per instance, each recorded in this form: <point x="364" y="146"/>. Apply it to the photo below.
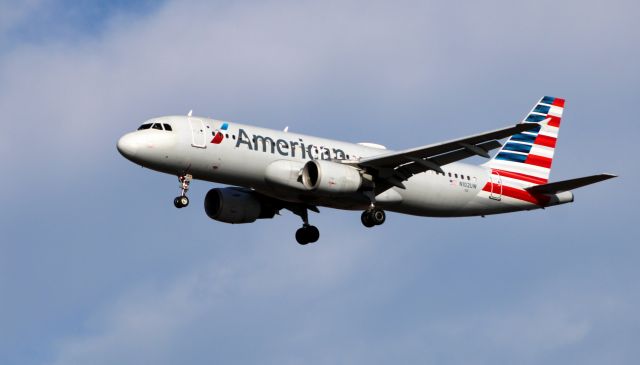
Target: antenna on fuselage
<point x="286" y="129"/>
<point x="190" y="112"/>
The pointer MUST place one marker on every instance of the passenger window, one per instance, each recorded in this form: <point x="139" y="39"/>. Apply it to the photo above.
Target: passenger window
<point x="157" y="126"/>
<point x="449" y="174"/>
<point x="468" y="178"/>
<point x="456" y="176"/>
<point x="167" y="127"/>
<point x="145" y="126"/>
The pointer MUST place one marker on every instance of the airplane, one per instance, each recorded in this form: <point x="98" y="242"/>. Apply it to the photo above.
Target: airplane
<point x="271" y="170"/>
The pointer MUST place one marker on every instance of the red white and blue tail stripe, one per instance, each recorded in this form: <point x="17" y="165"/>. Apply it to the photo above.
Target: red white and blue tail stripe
<point x="525" y="159"/>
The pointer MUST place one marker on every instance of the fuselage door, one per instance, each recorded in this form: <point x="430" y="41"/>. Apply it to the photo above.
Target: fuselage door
<point x="496" y="186"/>
<point x="198" y="134"/>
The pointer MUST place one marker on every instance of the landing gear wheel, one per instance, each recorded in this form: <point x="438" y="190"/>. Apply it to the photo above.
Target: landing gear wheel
<point x="378" y="216"/>
<point x="181" y="202"/>
<point x="373" y="217"/>
<point x="307" y="234"/>
<point x="313" y="234"/>
<point x="366" y="220"/>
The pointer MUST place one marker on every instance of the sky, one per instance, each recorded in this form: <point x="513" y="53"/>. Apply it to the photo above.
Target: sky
<point x="98" y="267"/>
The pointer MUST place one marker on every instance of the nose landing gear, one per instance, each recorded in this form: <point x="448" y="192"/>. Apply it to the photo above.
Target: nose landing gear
<point x="373" y="217"/>
<point x="182" y="200"/>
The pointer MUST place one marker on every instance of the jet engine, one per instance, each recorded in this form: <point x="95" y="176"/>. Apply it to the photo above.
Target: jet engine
<point x="233" y="205"/>
<point x="326" y="177"/>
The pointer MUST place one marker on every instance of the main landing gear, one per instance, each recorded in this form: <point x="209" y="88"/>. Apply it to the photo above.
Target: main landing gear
<point x="308" y="233"/>
<point x="182" y="200"/>
<point x="373" y="217"/>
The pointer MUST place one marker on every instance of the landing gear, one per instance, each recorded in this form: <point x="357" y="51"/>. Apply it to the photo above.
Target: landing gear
<point x="308" y="233"/>
<point x="373" y="217"/>
<point x="182" y="201"/>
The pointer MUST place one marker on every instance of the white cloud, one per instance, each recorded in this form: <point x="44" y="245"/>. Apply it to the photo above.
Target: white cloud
<point x="156" y="322"/>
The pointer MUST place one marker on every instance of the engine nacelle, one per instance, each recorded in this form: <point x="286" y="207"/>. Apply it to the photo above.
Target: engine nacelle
<point x="285" y="173"/>
<point x="231" y="205"/>
<point x="326" y="177"/>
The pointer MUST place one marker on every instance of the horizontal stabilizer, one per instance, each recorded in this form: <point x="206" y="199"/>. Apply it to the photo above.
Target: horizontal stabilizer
<point x="566" y="185"/>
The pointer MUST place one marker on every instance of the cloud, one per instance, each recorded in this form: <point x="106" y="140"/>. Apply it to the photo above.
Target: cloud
<point x="126" y="279"/>
<point x="215" y="301"/>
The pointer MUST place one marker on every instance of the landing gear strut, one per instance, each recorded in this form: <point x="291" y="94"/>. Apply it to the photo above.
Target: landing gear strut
<point x="308" y="233"/>
<point x="182" y="200"/>
<point x="373" y="217"/>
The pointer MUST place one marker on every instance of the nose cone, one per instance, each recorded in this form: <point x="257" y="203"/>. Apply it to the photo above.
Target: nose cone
<point x="128" y="145"/>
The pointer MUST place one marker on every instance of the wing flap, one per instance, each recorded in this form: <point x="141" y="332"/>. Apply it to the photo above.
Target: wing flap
<point x="566" y="185"/>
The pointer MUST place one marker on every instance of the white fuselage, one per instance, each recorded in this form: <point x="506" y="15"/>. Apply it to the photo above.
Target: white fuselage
<point x="240" y="155"/>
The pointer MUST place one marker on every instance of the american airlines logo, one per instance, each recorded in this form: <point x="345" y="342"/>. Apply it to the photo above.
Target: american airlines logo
<point x="285" y="147"/>
<point x="218" y="136"/>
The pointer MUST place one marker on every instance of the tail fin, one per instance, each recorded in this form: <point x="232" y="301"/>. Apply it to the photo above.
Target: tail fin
<point x="527" y="156"/>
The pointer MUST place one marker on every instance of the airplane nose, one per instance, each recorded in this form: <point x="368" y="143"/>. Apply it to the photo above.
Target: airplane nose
<point x="128" y="145"/>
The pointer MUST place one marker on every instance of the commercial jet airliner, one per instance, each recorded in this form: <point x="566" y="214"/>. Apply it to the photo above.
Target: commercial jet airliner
<point x="271" y="170"/>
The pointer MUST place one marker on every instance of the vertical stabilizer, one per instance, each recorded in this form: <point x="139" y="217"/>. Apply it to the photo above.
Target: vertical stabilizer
<point x="526" y="157"/>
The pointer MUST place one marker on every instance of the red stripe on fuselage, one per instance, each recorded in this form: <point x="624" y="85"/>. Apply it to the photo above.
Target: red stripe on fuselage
<point x="519" y="176"/>
<point x="519" y="194"/>
<point x="538" y="161"/>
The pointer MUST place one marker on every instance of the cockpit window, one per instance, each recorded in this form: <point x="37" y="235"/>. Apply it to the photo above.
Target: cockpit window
<point x="157" y="126"/>
<point x="167" y="127"/>
<point x="145" y="126"/>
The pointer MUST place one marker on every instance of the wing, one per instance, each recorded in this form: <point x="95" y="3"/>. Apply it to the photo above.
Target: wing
<point x="391" y="169"/>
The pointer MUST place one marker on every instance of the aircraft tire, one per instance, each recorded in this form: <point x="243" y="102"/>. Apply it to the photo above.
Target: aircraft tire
<point x="378" y="216"/>
<point x="308" y="234"/>
<point x="366" y="220"/>
<point x="176" y="203"/>
<point x="301" y="236"/>
<point x="181" y="202"/>
<point x="313" y="234"/>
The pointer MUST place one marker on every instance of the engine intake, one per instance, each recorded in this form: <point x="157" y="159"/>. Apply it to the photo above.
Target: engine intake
<point x="326" y="177"/>
<point x="232" y="205"/>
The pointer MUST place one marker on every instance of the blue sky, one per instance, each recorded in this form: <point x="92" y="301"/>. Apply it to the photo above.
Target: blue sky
<point x="97" y="266"/>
